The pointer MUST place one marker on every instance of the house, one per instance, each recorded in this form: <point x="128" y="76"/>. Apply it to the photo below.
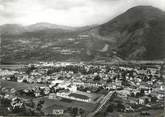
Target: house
<point x="83" y="36"/>
<point x="124" y="93"/>
<point x="144" y="100"/>
<point x="161" y="94"/>
<point x="52" y="96"/>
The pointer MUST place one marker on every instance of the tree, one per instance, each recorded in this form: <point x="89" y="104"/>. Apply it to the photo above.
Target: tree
<point x="49" y="72"/>
<point x="137" y="95"/>
<point x="153" y="99"/>
<point x="39" y="107"/>
<point x="132" y="95"/>
<point x="74" y="111"/>
<point x="13" y="78"/>
<point x="142" y="92"/>
<point x="120" y="107"/>
<point x="81" y="111"/>
<point x="97" y="78"/>
<point x="30" y="69"/>
<point x="30" y="103"/>
<point x="110" y="108"/>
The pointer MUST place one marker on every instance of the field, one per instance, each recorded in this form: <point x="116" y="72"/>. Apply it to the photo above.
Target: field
<point x="51" y="104"/>
<point x="153" y="113"/>
<point x="16" y="85"/>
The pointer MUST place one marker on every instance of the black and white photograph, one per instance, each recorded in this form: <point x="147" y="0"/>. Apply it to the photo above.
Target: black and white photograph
<point x="82" y="58"/>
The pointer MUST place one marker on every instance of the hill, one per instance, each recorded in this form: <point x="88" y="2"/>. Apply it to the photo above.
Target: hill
<point x="137" y="34"/>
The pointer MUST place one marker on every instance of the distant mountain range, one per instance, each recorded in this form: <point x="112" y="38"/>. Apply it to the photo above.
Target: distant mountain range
<point x="14" y="29"/>
<point x="137" y="34"/>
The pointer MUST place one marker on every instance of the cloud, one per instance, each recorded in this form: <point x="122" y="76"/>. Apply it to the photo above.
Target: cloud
<point x="63" y="4"/>
<point x="67" y="12"/>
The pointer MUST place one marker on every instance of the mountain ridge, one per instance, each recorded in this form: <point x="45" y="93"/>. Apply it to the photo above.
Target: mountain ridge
<point x="130" y="33"/>
<point x="137" y="34"/>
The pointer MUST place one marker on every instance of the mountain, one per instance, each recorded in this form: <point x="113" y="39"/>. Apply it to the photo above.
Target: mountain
<point x="15" y="29"/>
<point x="137" y="34"/>
<point x="11" y="29"/>
<point x="39" y="29"/>
<point x="44" y="26"/>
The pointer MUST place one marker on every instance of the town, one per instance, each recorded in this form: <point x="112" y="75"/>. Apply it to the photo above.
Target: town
<point x="82" y="89"/>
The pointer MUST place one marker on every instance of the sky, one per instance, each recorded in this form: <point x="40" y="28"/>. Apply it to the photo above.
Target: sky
<point x="67" y="12"/>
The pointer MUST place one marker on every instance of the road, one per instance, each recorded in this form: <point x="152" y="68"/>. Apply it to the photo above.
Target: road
<point x="102" y="103"/>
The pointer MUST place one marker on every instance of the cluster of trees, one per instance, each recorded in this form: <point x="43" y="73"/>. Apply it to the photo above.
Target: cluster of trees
<point x="33" y="109"/>
<point x="118" y="107"/>
<point x="27" y="109"/>
<point x="76" y="111"/>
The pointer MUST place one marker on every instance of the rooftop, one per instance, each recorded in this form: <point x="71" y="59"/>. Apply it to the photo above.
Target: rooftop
<point x="78" y="96"/>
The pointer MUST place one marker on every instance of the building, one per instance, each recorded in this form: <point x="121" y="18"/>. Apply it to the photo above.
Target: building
<point x="144" y="100"/>
<point x="74" y="96"/>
